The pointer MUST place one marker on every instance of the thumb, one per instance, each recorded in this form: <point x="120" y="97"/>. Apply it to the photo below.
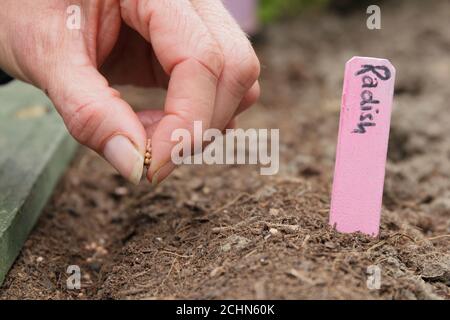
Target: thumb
<point x="98" y="118"/>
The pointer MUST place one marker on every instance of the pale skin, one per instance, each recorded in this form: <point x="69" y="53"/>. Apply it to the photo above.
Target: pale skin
<point x="192" y="48"/>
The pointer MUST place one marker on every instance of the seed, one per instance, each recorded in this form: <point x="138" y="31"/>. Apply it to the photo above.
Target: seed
<point x="148" y="153"/>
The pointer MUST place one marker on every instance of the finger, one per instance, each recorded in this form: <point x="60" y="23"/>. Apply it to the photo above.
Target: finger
<point x="241" y="69"/>
<point x="249" y="99"/>
<point x="186" y="51"/>
<point x="166" y="169"/>
<point x="150" y="120"/>
<point x="98" y="118"/>
<point x="231" y="124"/>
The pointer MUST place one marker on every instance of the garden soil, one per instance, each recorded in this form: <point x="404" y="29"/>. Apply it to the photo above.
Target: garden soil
<point x="227" y="232"/>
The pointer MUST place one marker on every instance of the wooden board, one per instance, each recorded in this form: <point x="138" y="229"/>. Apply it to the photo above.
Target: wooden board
<point x="35" y="148"/>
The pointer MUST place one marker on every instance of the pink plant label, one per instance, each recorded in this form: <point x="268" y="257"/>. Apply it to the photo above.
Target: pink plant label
<point x="362" y="145"/>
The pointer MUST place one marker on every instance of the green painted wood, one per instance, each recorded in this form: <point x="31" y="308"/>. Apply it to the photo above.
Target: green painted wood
<point x="35" y="148"/>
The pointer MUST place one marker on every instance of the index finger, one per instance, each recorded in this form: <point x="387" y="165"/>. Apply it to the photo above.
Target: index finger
<point x="192" y="58"/>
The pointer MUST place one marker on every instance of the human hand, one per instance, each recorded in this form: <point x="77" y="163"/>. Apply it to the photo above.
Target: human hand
<point x="192" y="48"/>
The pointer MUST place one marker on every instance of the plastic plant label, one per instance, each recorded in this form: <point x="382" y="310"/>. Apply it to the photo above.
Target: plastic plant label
<point x="362" y="145"/>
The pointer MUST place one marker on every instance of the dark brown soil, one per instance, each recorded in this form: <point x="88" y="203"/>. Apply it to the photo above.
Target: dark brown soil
<point x="227" y="232"/>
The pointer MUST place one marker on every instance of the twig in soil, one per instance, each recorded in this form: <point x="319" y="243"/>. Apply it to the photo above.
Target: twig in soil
<point x="183" y="228"/>
<point x="135" y="291"/>
<point x="376" y="245"/>
<point x="168" y="273"/>
<point x="305" y="241"/>
<point x="250" y="253"/>
<point x="233" y="227"/>
<point x="300" y="276"/>
<point x="176" y="254"/>
<point x="229" y="204"/>
<point x="289" y="180"/>
<point x="190" y="238"/>
<point x="145" y="287"/>
<point x="380" y="243"/>
<point x="436" y="238"/>
<point x="293" y="245"/>
<point x="137" y="275"/>
<point x="288" y="228"/>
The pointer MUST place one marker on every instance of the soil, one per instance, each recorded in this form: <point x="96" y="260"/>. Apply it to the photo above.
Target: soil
<point x="220" y="232"/>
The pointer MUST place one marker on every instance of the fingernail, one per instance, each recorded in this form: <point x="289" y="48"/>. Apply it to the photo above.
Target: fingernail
<point x="155" y="178"/>
<point x="155" y="175"/>
<point x="122" y="154"/>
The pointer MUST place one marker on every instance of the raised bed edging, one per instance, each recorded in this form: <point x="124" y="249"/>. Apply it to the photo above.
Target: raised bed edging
<point x="35" y="148"/>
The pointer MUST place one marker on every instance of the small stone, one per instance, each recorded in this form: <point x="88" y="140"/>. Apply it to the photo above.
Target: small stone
<point x="265" y="192"/>
<point x="274" y="211"/>
<point x="121" y="191"/>
<point x="300" y="276"/>
<point x="441" y="206"/>
<point x="217" y="272"/>
<point x="206" y="190"/>
<point x="437" y="270"/>
<point x="39" y="259"/>
<point x="102" y="251"/>
<point x="330" y="245"/>
<point x="274" y="231"/>
<point x="236" y="242"/>
<point x="226" y="247"/>
<point x="195" y="183"/>
<point x="91" y="246"/>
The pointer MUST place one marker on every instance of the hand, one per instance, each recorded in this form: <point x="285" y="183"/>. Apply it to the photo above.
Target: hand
<point x="192" y="48"/>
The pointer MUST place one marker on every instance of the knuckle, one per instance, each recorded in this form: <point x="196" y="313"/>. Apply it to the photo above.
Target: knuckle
<point x="212" y="58"/>
<point x="84" y="123"/>
<point x="255" y="95"/>
<point x="125" y="11"/>
<point x="249" y="99"/>
<point x="245" y="68"/>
